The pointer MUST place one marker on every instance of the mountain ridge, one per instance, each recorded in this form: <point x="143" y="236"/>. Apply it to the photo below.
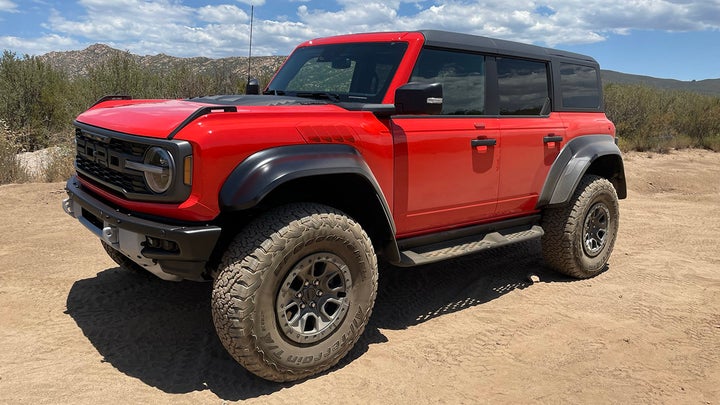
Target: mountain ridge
<point x="80" y="62"/>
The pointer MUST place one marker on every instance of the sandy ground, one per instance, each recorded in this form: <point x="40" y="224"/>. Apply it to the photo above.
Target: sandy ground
<point x="76" y="329"/>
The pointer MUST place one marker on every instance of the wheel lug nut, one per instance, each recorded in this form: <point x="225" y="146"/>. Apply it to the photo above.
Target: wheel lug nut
<point x="298" y="295"/>
<point x="312" y="305"/>
<point x="302" y="306"/>
<point x="316" y="282"/>
<point x="319" y="293"/>
<point x="307" y="283"/>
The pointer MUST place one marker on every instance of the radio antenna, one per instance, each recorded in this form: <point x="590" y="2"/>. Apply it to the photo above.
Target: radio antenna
<point x="252" y="14"/>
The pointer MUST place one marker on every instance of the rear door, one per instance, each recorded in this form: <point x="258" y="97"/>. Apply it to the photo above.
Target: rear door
<point x="531" y="135"/>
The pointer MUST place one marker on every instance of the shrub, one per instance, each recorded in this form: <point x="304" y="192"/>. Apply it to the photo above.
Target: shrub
<point x="58" y="164"/>
<point x="660" y="120"/>
<point x="36" y="101"/>
<point x="11" y="171"/>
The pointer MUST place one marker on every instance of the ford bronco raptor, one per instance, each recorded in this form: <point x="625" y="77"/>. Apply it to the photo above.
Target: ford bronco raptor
<point x="411" y="147"/>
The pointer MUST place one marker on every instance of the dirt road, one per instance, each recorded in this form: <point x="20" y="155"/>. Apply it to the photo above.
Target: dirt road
<point x="75" y="329"/>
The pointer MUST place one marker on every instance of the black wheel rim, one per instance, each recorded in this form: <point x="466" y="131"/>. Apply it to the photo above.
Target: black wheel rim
<point x="313" y="298"/>
<point x="595" y="229"/>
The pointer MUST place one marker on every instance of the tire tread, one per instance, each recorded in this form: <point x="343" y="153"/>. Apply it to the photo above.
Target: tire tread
<point x="562" y="225"/>
<point x="263" y="240"/>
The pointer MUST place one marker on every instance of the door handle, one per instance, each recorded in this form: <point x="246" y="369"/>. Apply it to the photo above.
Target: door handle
<point x="552" y="138"/>
<point x="483" y="142"/>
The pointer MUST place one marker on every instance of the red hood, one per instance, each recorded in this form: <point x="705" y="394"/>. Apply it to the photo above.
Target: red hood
<point x="158" y="118"/>
<point x="154" y="118"/>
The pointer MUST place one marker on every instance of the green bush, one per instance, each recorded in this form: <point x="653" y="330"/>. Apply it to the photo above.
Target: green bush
<point x="36" y="101"/>
<point x="660" y="120"/>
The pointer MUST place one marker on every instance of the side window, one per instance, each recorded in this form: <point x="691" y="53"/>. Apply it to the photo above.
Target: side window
<point x="523" y="86"/>
<point x="579" y="86"/>
<point x="462" y="76"/>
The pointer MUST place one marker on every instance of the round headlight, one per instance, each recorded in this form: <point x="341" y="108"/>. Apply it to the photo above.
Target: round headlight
<point x="160" y="168"/>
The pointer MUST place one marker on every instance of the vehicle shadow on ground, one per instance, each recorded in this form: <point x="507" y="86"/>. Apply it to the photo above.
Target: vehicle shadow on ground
<point x="162" y="333"/>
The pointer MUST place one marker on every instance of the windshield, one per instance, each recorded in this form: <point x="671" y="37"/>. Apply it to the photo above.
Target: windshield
<point x="355" y="72"/>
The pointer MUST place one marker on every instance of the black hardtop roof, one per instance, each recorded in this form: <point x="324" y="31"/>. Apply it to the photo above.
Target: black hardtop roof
<point x="476" y="43"/>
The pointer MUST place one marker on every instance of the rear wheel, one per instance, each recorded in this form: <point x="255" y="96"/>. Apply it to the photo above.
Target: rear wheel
<point x="580" y="235"/>
<point x="294" y="291"/>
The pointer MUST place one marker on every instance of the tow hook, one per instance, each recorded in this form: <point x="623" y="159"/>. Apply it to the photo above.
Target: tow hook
<point x="110" y="234"/>
<point x="67" y="205"/>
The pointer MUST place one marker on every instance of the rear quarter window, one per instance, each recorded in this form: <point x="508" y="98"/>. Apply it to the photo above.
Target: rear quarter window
<point x="579" y="86"/>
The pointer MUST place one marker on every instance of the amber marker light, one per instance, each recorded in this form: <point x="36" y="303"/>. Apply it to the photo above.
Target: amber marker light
<point x="188" y="168"/>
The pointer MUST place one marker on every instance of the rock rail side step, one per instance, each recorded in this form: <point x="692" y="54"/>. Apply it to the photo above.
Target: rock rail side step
<point x="466" y="245"/>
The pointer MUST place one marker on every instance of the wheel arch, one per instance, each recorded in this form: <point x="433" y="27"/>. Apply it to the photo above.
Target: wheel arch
<point x="588" y="154"/>
<point x="332" y="174"/>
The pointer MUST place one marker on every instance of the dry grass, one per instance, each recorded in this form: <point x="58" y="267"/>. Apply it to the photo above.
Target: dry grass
<point x="46" y="165"/>
<point x="11" y="171"/>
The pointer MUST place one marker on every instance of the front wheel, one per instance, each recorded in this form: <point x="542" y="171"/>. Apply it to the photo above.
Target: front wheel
<point x="294" y="291"/>
<point x="580" y="235"/>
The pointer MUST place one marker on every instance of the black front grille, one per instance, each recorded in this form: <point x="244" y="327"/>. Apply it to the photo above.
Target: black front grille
<point x="103" y="159"/>
<point x="106" y="158"/>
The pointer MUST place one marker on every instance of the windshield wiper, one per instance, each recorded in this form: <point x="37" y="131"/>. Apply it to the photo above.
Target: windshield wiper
<point x="274" y="92"/>
<point x="320" y="95"/>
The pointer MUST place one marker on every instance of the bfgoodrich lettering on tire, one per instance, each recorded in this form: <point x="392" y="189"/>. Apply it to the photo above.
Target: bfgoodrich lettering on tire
<point x="294" y="291"/>
<point x="580" y="235"/>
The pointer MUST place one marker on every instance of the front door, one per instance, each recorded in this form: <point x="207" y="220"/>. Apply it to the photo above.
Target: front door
<point x="446" y="166"/>
<point x="446" y="172"/>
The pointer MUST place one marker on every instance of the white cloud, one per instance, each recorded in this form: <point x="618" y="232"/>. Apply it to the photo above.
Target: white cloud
<point x="256" y="3"/>
<point x="113" y="20"/>
<point x="8" y="6"/>
<point x="553" y="22"/>
<point x="38" y="46"/>
<point x="227" y="14"/>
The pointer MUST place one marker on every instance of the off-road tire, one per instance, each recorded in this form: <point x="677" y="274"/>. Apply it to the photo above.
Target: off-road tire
<point x="123" y="261"/>
<point x="580" y="235"/>
<point x="268" y="273"/>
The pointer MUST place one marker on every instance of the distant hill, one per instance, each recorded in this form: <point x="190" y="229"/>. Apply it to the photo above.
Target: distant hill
<point x="709" y="86"/>
<point x="77" y="63"/>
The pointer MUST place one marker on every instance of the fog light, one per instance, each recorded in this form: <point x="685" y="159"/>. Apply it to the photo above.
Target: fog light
<point x="152" y="242"/>
<point x="169" y="245"/>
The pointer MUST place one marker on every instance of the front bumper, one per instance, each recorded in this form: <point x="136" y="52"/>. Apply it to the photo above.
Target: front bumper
<point x="172" y="252"/>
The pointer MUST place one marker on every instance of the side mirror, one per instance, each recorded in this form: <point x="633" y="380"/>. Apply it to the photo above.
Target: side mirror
<point x="419" y="98"/>
<point x="253" y="87"/>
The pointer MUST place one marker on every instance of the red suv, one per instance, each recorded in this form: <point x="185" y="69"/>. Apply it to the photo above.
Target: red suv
<point x="412" y="147"/>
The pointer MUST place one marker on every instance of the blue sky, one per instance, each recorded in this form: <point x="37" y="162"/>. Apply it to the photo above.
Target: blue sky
<point x="678" y="39"/>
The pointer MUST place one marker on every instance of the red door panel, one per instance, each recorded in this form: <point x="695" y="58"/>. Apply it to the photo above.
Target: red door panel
<point x="446" y="172"/>
<point x="529" y="147"/>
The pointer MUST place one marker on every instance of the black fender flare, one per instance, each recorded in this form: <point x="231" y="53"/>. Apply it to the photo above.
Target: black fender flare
<point x="573" y="162"/>
<point x="262" y="172"/>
